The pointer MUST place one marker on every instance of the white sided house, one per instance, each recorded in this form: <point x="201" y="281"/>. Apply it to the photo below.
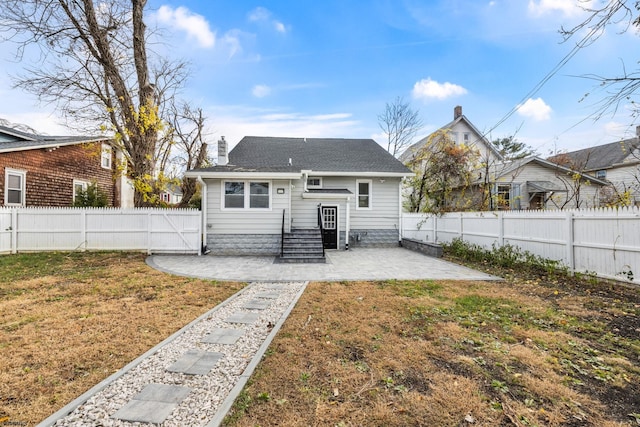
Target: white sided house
<point x="617" y="163"/>
<point x="278" y="196"/>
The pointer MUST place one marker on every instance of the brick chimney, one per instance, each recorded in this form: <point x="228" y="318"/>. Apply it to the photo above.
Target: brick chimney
<point x="457" y="112"/>
<point x="222" y="152"/>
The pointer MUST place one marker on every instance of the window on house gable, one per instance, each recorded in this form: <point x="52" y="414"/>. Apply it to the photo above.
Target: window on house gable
<point x="466" y="137"/>
<point x="601" y="174"/>
<point x="14" y="189"/>
<point x="105" y="156"/>
<point x="314" y="182"/>
<point x="363" y="194"/>
<point x="236" y="195"/>
<point x="79" y="187"/>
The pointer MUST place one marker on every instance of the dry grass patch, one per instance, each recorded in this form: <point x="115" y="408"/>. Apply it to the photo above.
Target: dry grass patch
<point x="448" y="353"/>
<point x="67" y="321"/>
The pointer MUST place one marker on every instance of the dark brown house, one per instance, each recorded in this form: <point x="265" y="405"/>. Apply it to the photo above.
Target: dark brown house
<point x="42" y="170"/>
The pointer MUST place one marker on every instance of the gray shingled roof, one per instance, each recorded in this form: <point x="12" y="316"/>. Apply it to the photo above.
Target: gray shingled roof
<point x="15" y="140"/>
<point x="272" y="154"/>
<point x="602" y="156"/>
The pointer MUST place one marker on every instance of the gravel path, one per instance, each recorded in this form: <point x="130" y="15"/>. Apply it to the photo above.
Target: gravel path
<point x="211" y="395"/>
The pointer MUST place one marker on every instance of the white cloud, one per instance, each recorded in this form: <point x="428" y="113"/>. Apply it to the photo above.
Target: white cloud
<point x="535" y="109"/>
<point x="260" y="91"/>
<point x="260" y="14"/>
<point x="235" y="122"/>
<point x="427" y="88"/>
<point x="566" y="7"/>
<point x="196" y="26"/>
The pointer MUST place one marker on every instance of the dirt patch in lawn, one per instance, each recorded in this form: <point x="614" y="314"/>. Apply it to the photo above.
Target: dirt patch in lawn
<point x="523" y="352"/>
<point x="67" y="321"/>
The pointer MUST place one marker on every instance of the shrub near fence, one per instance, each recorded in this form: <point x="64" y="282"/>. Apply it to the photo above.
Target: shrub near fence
<point x="601" y="241"/>
<point x="103" y="229"/>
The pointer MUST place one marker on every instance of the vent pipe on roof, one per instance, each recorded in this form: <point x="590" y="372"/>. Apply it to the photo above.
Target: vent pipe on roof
<point x="223" y="157"/>
<point x="290" y="161"/>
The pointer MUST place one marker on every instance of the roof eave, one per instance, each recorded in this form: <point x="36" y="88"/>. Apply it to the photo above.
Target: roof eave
<point x="242" y="175"/>
<point x="51" y="145"/>
<point x="356" y="174"/>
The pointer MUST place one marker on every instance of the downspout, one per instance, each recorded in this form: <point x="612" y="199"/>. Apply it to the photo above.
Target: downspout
<point x="203" y="206"/>
<point x="347" y="225"/>
<point x="400" y="213"/>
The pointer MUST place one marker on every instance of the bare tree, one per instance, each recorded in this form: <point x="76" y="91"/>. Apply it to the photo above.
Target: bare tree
<point x="620" y="14"/>
<point x="96" y="66"/>
<point x="570" y="173"/>
<point x="400" y="123"/>
<point x="184" y="145"/>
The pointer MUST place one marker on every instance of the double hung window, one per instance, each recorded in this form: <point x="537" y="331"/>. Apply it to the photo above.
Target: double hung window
<point x="247" y="195"/>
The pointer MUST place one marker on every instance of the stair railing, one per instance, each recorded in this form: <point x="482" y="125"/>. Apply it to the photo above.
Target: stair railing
<point x="321" y="226"/>
<point x="282" y="235"/>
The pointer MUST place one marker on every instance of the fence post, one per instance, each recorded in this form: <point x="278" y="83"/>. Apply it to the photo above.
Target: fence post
<point x="83" y="232"/>
<point x="14" y="230"/>
<point x="461" y="227"/>
<point x="435" y="228"/>
<point x="501" y="229"/>
<point x="149" y="220"/>
<point x="570" y="247"/>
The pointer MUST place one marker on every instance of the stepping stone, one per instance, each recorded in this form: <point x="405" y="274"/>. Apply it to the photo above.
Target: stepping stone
<point x="223" y="336"/>
<point x="274" y="286"/>
<point x="153" y="404"/>
<point x="241" y="317"/>
<point x="256" y="304"/>
<point x="268" y="295"/>
<point x="195" y="362"/>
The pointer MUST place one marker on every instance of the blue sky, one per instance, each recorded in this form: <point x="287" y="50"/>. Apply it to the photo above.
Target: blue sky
<point x="326" y="69"/>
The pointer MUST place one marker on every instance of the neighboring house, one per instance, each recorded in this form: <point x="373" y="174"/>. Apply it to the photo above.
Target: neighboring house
<point x="535" y="183"/>
<point x="461" y="131"/>
<point x="270" y="185"/>
<point x="171" y="195"/>
<point x="616" y="162"/>
<point x="40" y="170"/>
<point x="529" y="183"/>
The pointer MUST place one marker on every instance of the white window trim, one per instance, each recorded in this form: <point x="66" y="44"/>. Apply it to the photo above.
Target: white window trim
<point x="23" y="190"/>
<point x="85" y="185"/>
<point x="370" y="182"/>
<point x="313" y="187"/>
<point x="104" y="150"/>
<point x="247" y="195"/>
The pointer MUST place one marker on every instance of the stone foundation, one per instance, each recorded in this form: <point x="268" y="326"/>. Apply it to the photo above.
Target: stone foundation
<point x="244" y="244"/>
<point x="373" y="238"/>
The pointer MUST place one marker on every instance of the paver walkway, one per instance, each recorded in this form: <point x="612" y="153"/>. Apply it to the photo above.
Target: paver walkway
<point x="354" y="264"/>
<point x="176" y="382"/>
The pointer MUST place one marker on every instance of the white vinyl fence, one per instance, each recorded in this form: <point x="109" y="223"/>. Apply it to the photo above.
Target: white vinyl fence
<point x="103" y="229"/>
<point x="601" y="241"/>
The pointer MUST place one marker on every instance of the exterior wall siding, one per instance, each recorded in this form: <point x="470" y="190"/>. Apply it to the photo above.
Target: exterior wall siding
<point x="50" y="173"/>
<point x="258" y="232"/>
<point x="532" y="172"/>
<point x="626" y="177"/>
<point x="246" y="221"/>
